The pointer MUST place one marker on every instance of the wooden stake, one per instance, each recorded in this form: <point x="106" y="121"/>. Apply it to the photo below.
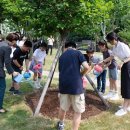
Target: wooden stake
<point x="100" y="96"/>
<point x="40" y="102"/>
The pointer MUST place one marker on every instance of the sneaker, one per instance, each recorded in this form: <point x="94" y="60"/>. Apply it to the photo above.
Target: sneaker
<point x="17" y="92"/>
<point x="60" y="126"/>
<point x="120" y="106"/>
<point x="115" y="96"/>
<point x="39" y="85"/>
<point x="36" y="84"/>
<point x="121" y="112"/>
<point x="109" y="95"/>
<point x="128" y="109"/>
<point x="12" y="89"/>
<point x="101" y="93"/>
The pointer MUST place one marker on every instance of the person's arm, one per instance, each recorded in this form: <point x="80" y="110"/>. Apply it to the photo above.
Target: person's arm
<point x="106" y="65"/>
<point x="105" y="61"/>
<point x="44" y="59"/>
<point x="126" y="60"/>
<point x="34" y="56"/>
<point x="85" y="69"/>
<point x="35" y="60"/>
<point x="17" y="64"/>
<point x="53" y="40"/>
<point x="123" y="62"/>
<point x="7" y="60"/>
<point x="27" y="61"/>
<point x="27" y="64"/>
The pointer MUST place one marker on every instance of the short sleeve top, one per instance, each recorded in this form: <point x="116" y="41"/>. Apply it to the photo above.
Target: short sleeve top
<point x="70" y="79"/>
<point x="121" y="50"/>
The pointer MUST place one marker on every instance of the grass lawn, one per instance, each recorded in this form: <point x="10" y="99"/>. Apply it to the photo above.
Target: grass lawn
<point x="19" y="115"/>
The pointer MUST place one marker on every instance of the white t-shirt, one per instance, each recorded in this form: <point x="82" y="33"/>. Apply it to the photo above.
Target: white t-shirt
<point x="13" y="49"/>
<point x="21" y="43"/>
<point x="39" y="55"/>
<point x="50" y="41"/>
<point x="121" y="50"/>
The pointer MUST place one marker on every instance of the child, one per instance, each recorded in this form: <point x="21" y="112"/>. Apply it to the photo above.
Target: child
<point x="90" y="56"/>
<point x="19" y="55"/>
<point x="95" y="60"/>
<point x="122" y="51"/>
<point x="38" y="58"/>
<point x="112" y="68"/>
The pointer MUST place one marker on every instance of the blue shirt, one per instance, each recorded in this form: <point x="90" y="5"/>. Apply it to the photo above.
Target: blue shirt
<point x="70" y="79"/>
<point x="94" y="59"/>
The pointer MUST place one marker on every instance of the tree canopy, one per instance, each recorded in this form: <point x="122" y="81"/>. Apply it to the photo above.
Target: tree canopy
<point x="84" y="17"/>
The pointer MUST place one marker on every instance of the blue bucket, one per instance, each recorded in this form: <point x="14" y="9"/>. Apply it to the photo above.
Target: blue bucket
<point x="18" y="78"/>
<point x="27" y="75"/>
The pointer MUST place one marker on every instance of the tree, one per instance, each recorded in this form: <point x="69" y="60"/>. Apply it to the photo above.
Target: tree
<point x="121" y="8"/>
<point x="84" y="17"/>
<point x="97" y="13"/>
<point x="1" y="12"/>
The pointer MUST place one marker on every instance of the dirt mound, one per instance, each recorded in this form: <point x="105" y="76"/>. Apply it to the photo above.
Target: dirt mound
<point x="50" y="106"/>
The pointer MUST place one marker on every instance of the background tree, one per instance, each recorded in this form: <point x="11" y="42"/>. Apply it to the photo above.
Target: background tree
<point x="94" y="18"/>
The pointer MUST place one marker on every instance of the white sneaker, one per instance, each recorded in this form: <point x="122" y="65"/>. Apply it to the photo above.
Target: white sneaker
<point x="115" y="96"/>
<point x="39" y="85"/>
<point x="121" y="112"/>
<point x="36" y="85"/>
<point x="101" y="93"/>
<point x="109" y="95"/>
<point x="128" y="109"/>
<point x="120" y="106"/>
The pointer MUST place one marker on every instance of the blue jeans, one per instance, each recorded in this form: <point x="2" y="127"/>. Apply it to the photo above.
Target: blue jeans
<point x="101" y="81"/>
<point x="2" y="91"/>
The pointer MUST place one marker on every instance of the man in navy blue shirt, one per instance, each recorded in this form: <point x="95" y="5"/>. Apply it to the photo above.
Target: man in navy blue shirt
<point x="71" y="84"/>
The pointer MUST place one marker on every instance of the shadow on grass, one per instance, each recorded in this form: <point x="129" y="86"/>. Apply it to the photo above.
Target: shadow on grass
<point x="21" y="120"/>
<point x="10" y="99"/>
<point x="114" y="106"/>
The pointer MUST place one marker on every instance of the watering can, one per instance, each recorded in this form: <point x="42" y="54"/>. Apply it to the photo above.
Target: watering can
<point x="27" y="75"/>
<point x="37" y="67"/>
<point x="18" y="78"/>
<point x="98" y="68"/>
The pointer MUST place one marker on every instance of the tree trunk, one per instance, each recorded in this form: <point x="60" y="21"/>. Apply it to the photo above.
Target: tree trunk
<point x="63" y="38"/>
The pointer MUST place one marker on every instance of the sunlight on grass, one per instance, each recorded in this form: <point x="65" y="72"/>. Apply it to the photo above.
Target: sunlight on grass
<point x="49" y="60"/>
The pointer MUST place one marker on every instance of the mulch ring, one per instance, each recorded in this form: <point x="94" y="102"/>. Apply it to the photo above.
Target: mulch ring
<point x="50" y="107"/>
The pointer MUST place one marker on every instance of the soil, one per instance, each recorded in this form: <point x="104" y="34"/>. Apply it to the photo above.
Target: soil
<point x="50" y="106"/>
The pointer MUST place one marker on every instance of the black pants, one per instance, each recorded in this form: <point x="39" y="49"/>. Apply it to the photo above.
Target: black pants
<point x="50" y="47"/>
<point x="125" y="80"/>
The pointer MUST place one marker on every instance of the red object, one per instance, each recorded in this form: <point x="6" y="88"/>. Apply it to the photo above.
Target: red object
<point x="85" y="81"/>
<point x="37" y="67"/>
<point x="98" y="68"/>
